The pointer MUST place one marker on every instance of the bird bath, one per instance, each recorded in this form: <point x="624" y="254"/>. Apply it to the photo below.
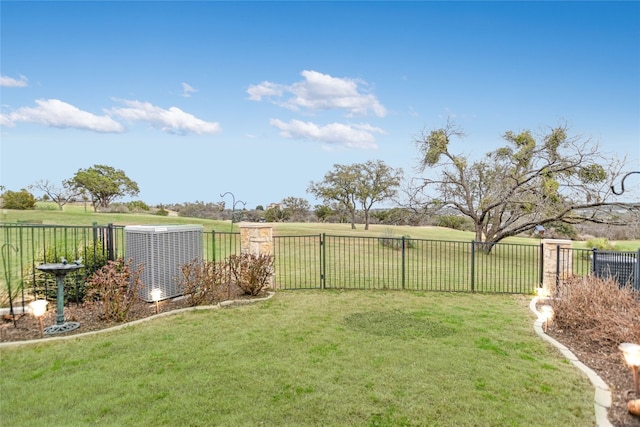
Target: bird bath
<point x="60" y="270"/>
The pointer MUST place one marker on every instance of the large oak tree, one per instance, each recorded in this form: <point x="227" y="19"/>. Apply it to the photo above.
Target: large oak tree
<point x="104" y="184"/>
<point x="358" y="185"/>
<point x="525" y="183"/>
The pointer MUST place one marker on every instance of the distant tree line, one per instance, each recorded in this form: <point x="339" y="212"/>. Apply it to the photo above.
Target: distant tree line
<point x="552" y="180"/>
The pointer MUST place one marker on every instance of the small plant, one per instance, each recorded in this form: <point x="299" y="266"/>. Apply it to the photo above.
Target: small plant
<point x="388" y="240"/>
<point x="251" y="272"/>
<point x="162" y="211"/>
<point x="202" y="281"/>
<point x="116" y="285"/>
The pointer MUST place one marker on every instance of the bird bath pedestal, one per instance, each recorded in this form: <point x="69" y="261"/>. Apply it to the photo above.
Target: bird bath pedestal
<point x="60" y="270"/>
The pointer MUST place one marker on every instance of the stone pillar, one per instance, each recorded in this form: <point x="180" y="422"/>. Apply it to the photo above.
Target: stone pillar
<point x="550" y="262"/>
<point x="256" y="238"/>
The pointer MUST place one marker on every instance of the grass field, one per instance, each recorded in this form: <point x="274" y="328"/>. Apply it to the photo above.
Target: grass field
<point x="309" y="358"/>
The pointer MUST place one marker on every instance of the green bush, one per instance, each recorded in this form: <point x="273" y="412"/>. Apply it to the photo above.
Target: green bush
<point x="454" y="221"/>
<point x="116" y="287"/>
<point x="138" y="206"/>
<point x="601" y="244"/>
<point x="93" y="257"/>
<point x="390" y="241"/>
<point x="20" y="200"/>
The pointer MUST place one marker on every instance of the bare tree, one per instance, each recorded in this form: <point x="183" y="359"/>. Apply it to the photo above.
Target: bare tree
<point x="526" y="183"/>
<point x="60" y="195"/>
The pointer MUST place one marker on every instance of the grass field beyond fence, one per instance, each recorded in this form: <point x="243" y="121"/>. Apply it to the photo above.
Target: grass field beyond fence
<point x="330" y="358"/>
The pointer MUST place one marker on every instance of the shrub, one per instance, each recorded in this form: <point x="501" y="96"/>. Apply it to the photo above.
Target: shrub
<point x="116" y="286"/>
<point x="390" y="241"/>
<point x="203" y="281"/>
<point x="601" y="244"/>
<point x="92" y="256"/>
<point x="598" y="310"/>
<point x="251" y="272"/>
<point x="21" y="200"/>
<point x="454" y="221"/>
<point x="138" y="206"/>
<point x="162" y="211"/>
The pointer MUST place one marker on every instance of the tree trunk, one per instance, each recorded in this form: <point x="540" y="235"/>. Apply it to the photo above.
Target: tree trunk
<point x="353" y="219"/>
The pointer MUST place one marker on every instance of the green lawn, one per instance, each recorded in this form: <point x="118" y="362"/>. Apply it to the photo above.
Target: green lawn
<point x="306" y="358"/>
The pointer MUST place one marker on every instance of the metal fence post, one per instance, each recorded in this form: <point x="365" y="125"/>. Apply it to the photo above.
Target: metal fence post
<point x="473" y="264"/>
<point x="557" y="267"/>
<point x="636" y="276"/>
<point x="213" y="244"/>
<point x="110" y="254"/>
<point x="403" y="261"/>
<point x="541" y="272"/>
<point x="323" y="258"/>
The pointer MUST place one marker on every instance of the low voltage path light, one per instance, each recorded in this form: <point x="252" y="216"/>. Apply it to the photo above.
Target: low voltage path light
<point x="543" y="294"/>
<point x="156" y="294"/>
<point x="631" y="354"/>
<point x="546" y="312"/>
<point x="38" y="308"/>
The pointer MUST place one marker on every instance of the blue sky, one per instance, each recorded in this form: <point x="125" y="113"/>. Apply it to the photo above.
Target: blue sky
<point x="194" y="99"/>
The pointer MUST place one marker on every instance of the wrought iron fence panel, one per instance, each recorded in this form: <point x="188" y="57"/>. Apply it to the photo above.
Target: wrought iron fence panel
<point x="437" y="265"/>
<point x="361" y="263"/>
<point x="507" y="268"/>
<point x="218" y="245"/>
<point x="298" y="262"/>
<point x="25" y="246"/>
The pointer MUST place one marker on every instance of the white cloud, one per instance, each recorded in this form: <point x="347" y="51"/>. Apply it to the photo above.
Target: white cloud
<point x="257" y="92"/>
<point x="321" y="92"/>
<point x="59" y="114"/>
<point x="173" y="120"/>
<point x="351" y="136"/>
<point x="187" y="90"/>
<point x="5" y="121"/>
<point x="11" y="82"/>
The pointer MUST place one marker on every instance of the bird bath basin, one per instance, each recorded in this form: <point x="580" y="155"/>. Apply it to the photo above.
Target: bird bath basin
<point x="60" y="270"/>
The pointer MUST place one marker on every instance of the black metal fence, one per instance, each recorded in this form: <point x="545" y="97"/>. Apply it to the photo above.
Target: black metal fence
<point x="25" y="246"/>
<point x="346" y="262"/>
<point x="301" y="262"/>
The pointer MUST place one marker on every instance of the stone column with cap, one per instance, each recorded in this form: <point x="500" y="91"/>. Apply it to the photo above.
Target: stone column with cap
<point x="557" y="262"/>
<point x="256" y="239"/>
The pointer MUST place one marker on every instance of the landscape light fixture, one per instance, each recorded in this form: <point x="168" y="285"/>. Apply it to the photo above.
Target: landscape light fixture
<point x="631" y="353"/>
<point x="543" y="294"/>
<point x="546" y="312"/>
<point x="38" y="308"/>
<point x="156" y="294"/>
